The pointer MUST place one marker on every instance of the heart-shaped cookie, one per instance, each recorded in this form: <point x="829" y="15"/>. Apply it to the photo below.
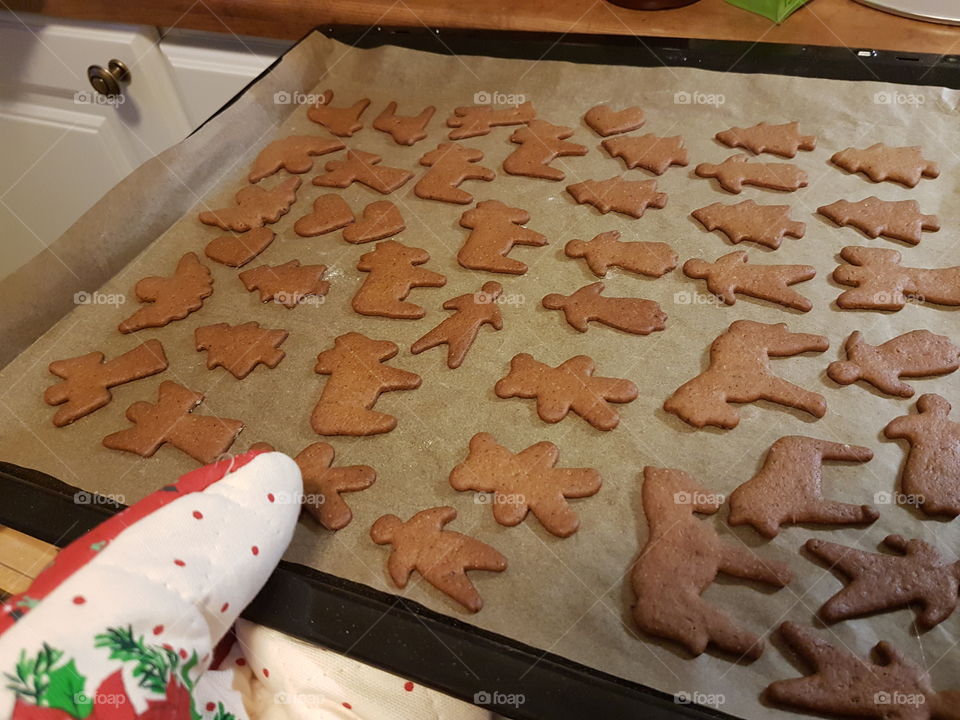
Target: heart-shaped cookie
<point x="606" y="121"/>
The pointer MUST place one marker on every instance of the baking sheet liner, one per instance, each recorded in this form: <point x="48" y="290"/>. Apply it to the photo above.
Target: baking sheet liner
<point x="572" y="596"/>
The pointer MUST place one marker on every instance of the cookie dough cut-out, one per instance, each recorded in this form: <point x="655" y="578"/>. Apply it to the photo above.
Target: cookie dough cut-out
<point x="882" y="283"/>
<point x="170" y="298"/>
<point x="495" y="229"/>
<point x="649" y="152"/>
<point x="340" y="121"/>
<point x="459" y="331"/>
<point x="765" y="225"/>
<point x="290" y="284"/>
<point x="630" y="197"/>
<point x="380" y="220"/>
<point x="238" y="250"/>
<point x="322" y="485"/>
<point x="606" y="121"/>
<point x="900" y="220"/>
<point x="632" y="315"/>
<point x="255" y="206"/>
<point x="732" y="274"/>
<point x="364" y="168"/>
<point x="472" y="120"/>
<point x="450" y="165"/>
<point x="330" y="212"/>
<point x="783" y="140"/>
<point x="541" y="143"/>
<point x="240" y="348"/>
<point x="393" y="273"/>
<point x="294" y="154"/>
<point x="879" y="162"/>
<point x="404" y="129"/>
<point x="737" y="171"/>
<point x="606" y="250"/>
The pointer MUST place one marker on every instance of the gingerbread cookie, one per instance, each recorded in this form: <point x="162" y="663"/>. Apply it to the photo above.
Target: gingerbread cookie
<point x="524" y="482"/>
<point x="294" y="154"/>
<point x="788" y="490"/>
<point x="442" y="557"/>
<point x="238" y="250"/>
<point x="170" y="420"/>
<point x="630" y="197"/>
<point x="322" y="485"/>
<point x="450" y="165"/>
<point x="540" y="144"/>
<point x="364" y="168"/>
<point x="170" y="298"/>
<point x="255" y="207"/>
<point x="569" y="387"/>
<point x="879" y="162"/>
<point x="763" y="224"/>
<point x="681" y="559"/>
<point x="289" y="284"/>
<point x="87" y="379"/>
<point x="783" y="140"/>
<point x="459" y="331"/>
<point x="495" y="229"/>
<point x="737" y="171"/>
<point x="343" y="122"/>
<point x="380" y="220"/>
<point x="606" y="250"/>
<point x="632" y="315"/>
<point x="900" y="220"/>
<point x="605" y="121"/>
<point x="240" y="348"/>
<point x="404" y="129"/>
<point x="357" y="378"/>
<point x="918" y="577"/>
<point x="330" y="212"/>
<point x="393" y="273"/>
<point x="739" y="372"/>
<point x="918" y="353"/>
<point x="888" y="688"/>
<point x="470" y="121"/>
<point x="882" y="283"/>
<point x="931" y="474"/>
<point x="650" y="152"/>
<point x="732" y="274"/>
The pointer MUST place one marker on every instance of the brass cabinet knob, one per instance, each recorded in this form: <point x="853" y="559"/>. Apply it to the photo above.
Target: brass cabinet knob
<point x="107" y="81"/>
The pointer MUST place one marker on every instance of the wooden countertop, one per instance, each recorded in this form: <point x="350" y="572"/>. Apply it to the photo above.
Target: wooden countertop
<point x="819" y="22"/>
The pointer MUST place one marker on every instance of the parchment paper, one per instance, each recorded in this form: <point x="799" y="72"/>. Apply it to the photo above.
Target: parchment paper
<point x="572" y="596"/>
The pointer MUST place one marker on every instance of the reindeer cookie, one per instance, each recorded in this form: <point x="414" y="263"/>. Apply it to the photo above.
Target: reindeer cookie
<point x="918" y="353"/>
<point x="495" y="229"/>
<point x="322" y="485"/>
<point x="737" y="171"/>
<point x="380" y="220"/>
<point x="879" y="162"/>
<point x="170" y="298"/>
<point x="931" y="474"/>
<point x="732" y="274"/>
<point x="289" y="284"/>
<point x="606" y="250"/>
<point x="540" y="143"/>
<point x="650" y="152"/>
<point x="294" y="154"/>
<point x="342" y="122"/>
<point x="442" y="557"/>
<point x="459" y="331"/>
<point x="788" y="490"/>
<point x="87" y="379"/>
<point x="630" y="197"/>
<point x="606" y="121"/>
<point x="255" y="206"/>
<point x="569" y="387"/>
<point x="882" y="283"/>
<point x="918" y="577"/>
<point x="450" y="165"/>
<point x="240" y="348"/>
<point x="364" y="168"/>
<point x="238" y="250"/>
<point x="357" y="378"/>
<point x="681" y="559"/>
<point x="739" y="372"/>
<point x="900" y="220"/>
<point x="405" y="130"/>
<point x="840" y="683"/>
<point x="470" y="121"/>
<point x="523" y="482"/>
<point x="170" y="420"/>
<point x="765" y="225"/>
<point x="330" y="212"/>
<point x="393" y="274"/>
<point x="783" y="140"/>
<point x="632" y="315"/>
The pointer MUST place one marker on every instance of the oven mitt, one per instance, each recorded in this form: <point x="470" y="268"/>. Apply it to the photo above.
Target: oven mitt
<point x="124" y="623"/>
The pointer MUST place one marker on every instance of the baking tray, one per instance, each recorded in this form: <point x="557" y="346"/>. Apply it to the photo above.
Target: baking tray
<point x="402" y="636"/>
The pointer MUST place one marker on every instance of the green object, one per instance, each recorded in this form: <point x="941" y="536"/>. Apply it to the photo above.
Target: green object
<point x="776" y="10"/>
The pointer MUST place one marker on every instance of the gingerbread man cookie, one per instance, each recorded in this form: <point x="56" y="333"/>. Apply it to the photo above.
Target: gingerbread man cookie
<point x="495" y="229"/>
<point x="364" y="168"/>
<point x="255" y="206"/>
<point x="343" y="122"/>
<point x="240" y="348"/>
<point x="450" y="165"/>
<point x="470" y="121"/>
<point x="879" y="162"/>
<point x="788" y="490"/>
<point x="900" y="220"/>
<point x="732" y="274"/>
<point x="238" y="250"/>
<point x="330" y="212"/>
<point x="459" y="331"/>
<point x="380" y="220"/>
<point x="170" y="298"/>
<point x="882" y="283"/>
<point x="357" y="378"/>
<point x="606" y="250"/>
<point x="541" y="143"/>
<point x="681" y="559"/>
<point x="393" y="273"/>
<point x="739" y="372"/>
<point x="606" y="121"/>
<point x="737" y="171"/>
<point x="630" y="197"/>
<point x="404" y="129"/>
<point x="322" y="485"/>
<point x="650" y="152"/>
<point x="87" y="379"/>
<point x="569" y="387"/>
<point x="289" y="284"/>
<point x="294" y="154"/>
<point x="783" y="140"/>
<point x="632" y="315"/>
<point x="763" y="224"/>
<point x="525" y="482"/>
